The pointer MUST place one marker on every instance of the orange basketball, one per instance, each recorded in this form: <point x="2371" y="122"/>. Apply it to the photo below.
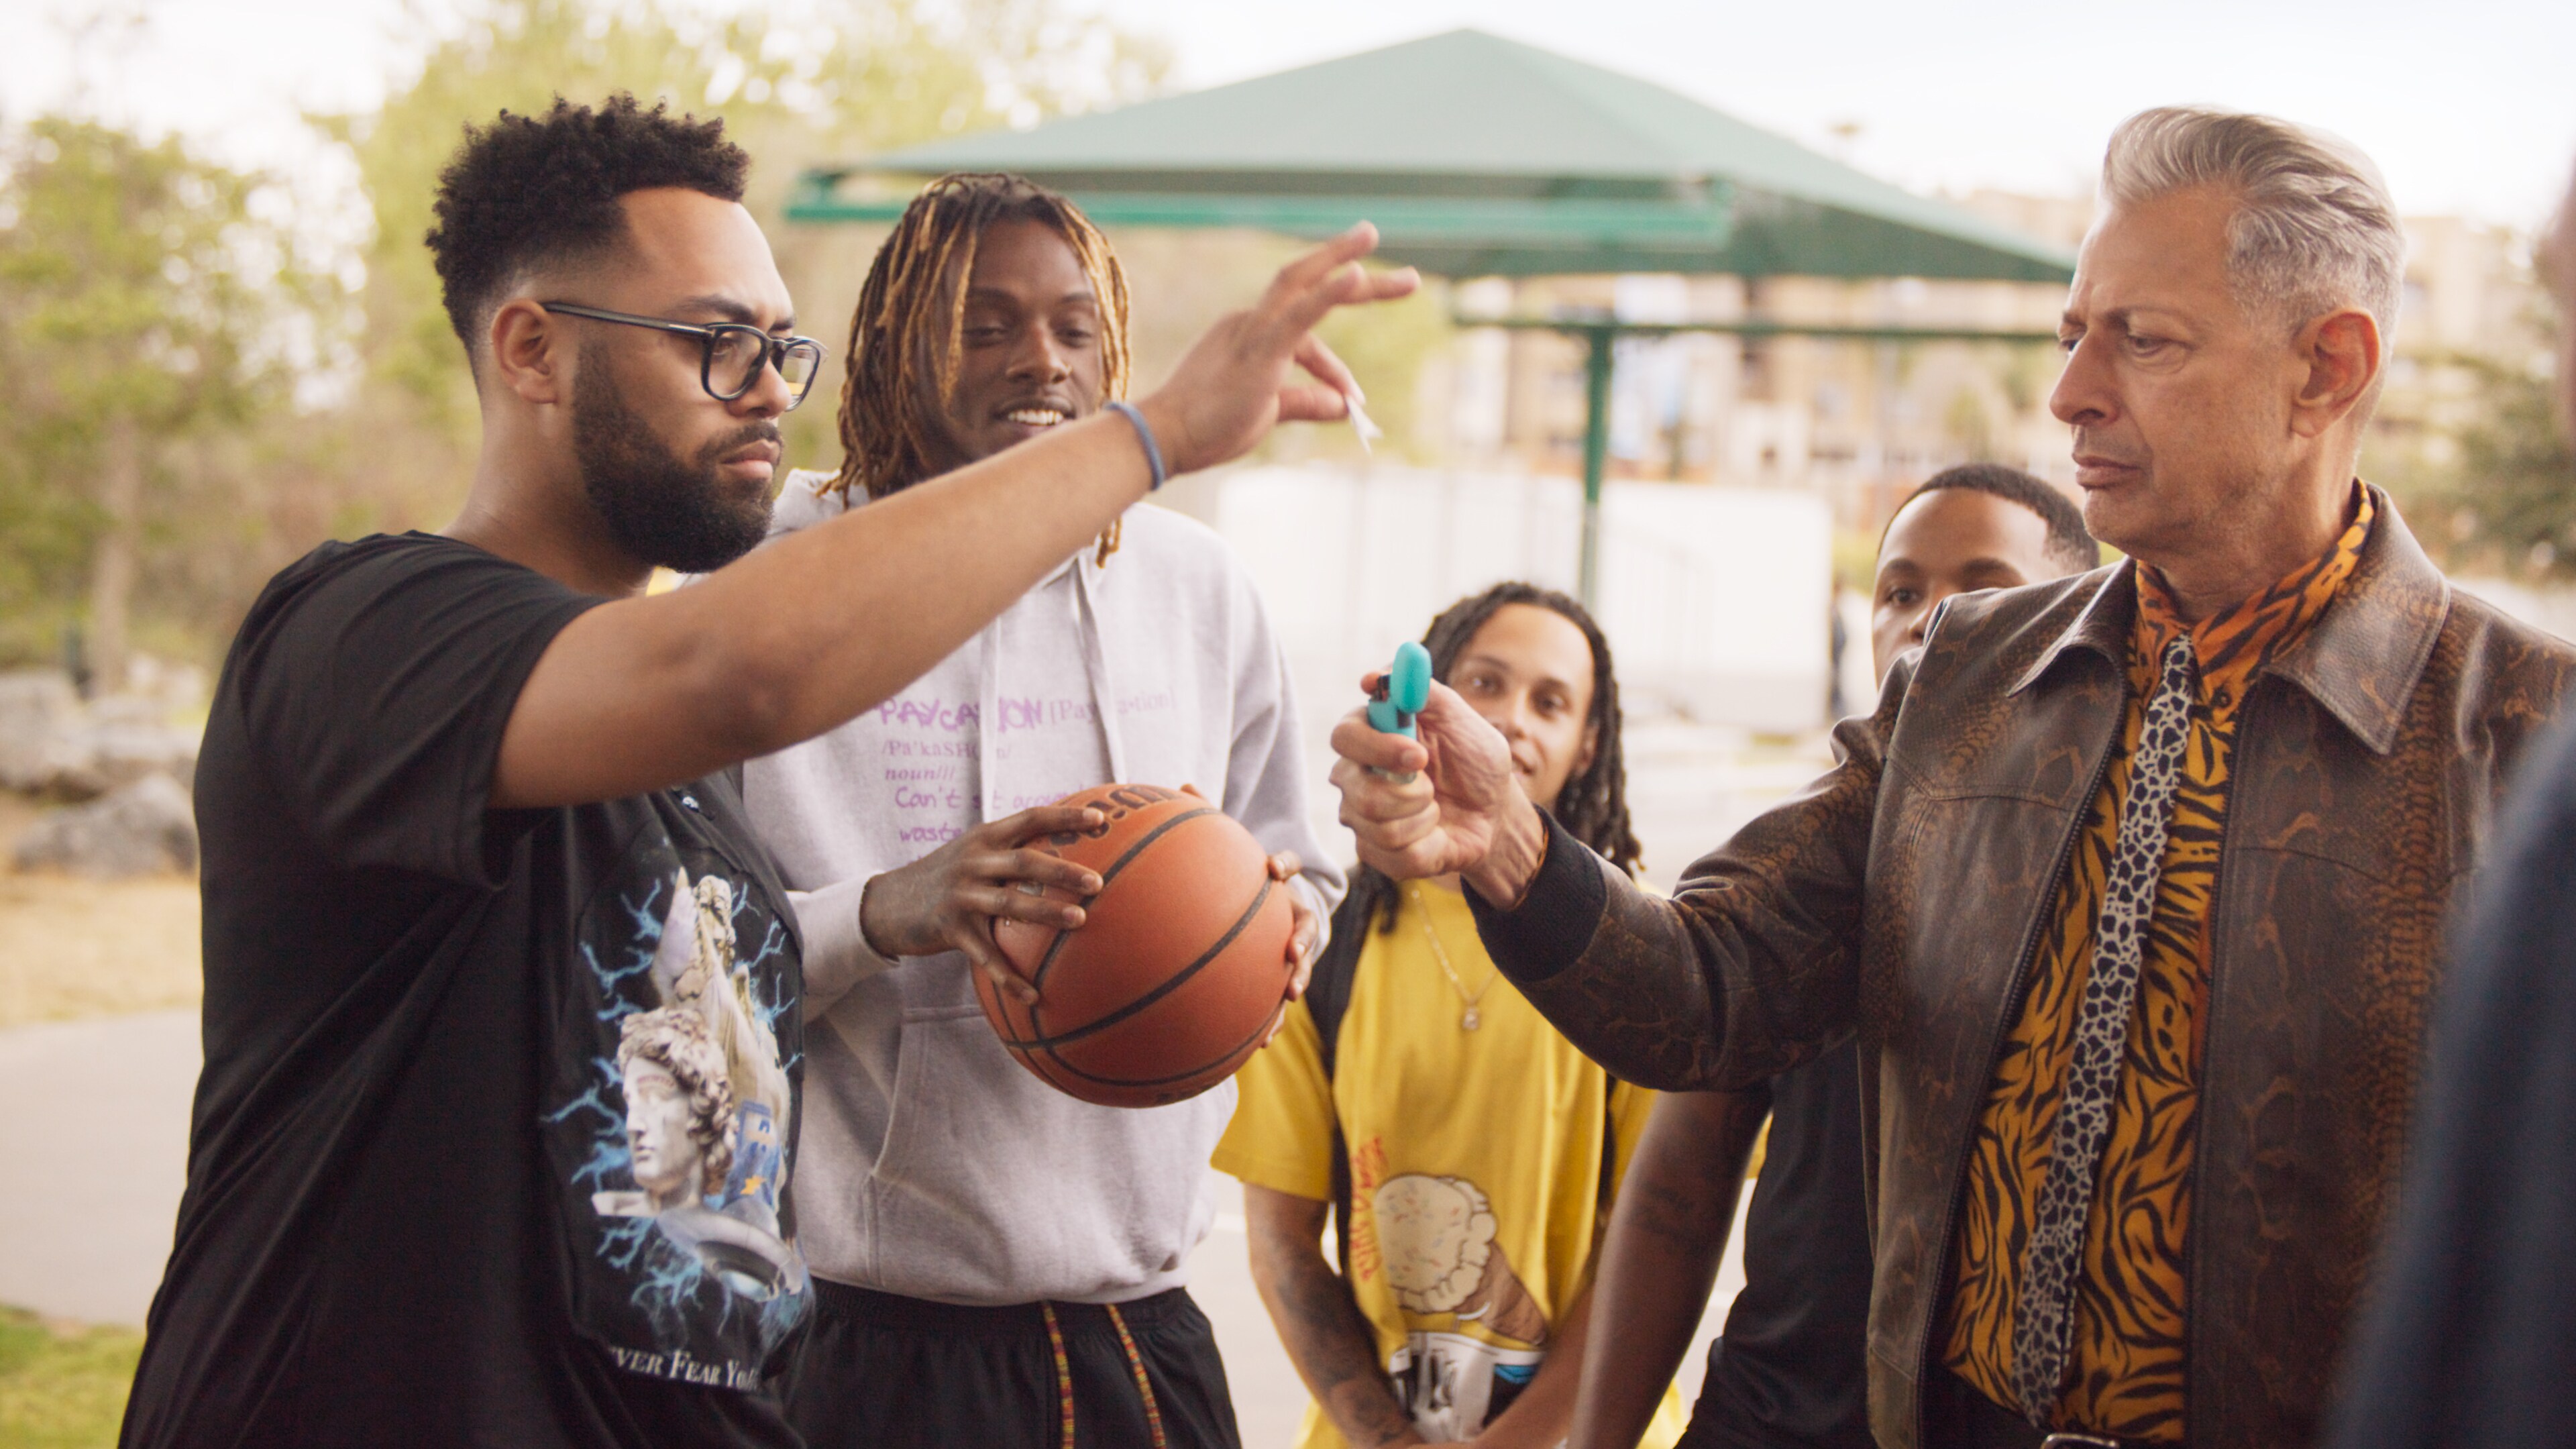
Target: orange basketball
<point x="1178" y="969"/>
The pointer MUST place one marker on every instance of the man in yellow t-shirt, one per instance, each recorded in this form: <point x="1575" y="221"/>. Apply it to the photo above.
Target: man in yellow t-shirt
<point x="1469" y="1150"/>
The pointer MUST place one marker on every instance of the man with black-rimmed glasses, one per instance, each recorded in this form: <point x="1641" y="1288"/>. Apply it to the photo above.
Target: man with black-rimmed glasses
<point x="465" y="815"/>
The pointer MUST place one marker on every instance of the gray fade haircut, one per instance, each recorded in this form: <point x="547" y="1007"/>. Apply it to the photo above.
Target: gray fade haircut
<point x="2314" y="227"/>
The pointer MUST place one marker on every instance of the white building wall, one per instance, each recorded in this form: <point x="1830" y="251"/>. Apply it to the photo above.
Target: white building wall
<point x="1715" y="601"/>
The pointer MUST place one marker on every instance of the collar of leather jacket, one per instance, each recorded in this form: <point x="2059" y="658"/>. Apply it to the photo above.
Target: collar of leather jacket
<point x="2360" y="660"/>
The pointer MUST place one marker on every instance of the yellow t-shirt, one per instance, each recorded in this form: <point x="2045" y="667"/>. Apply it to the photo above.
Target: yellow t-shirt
<point x="1475" y="1164"/>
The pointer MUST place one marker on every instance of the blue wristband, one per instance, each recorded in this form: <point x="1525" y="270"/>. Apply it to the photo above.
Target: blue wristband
<point x="1144" y="435"/>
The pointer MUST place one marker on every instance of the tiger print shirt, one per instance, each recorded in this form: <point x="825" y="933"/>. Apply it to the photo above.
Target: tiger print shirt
<point x="2130" y="1292"/>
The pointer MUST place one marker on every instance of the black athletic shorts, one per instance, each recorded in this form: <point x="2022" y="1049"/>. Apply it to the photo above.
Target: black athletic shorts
<point x="875" y="1369"/>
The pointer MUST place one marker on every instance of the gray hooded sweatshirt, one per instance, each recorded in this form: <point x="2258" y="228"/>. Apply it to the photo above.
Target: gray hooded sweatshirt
<point x="930" y="1163"/>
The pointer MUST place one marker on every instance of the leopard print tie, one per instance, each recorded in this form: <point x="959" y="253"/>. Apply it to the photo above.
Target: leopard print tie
<point x="2044" y="1327"/>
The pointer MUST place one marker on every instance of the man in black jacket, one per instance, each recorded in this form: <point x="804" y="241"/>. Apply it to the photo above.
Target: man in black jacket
<point x="2132" y="887"/>
<point x="1790" y="1371"/>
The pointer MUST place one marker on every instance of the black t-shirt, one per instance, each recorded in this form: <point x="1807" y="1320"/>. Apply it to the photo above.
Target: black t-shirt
<point x="498" y="1106"/>
<point x="1790" y="1369"/>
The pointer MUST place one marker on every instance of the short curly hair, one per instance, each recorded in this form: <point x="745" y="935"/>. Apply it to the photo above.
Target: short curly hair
<point x="529" y="190"/>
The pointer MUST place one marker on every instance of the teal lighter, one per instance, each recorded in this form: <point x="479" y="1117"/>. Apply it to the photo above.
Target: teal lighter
<point x="1400" y="694"/>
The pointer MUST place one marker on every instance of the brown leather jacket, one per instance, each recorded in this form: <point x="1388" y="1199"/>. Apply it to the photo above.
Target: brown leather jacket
<point x="1902" y="894"/>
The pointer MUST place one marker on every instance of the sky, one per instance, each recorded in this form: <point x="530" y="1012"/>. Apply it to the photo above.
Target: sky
<point x="2469" y="106"/>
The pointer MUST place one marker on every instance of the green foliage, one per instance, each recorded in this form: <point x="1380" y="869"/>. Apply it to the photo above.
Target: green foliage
<point x="1183" y="281"/>
<point x="2496" y="492"/>
<point x="1969" y="423"/>
<point x="62" y="1387"/>
<point x="792" y="89"/>
<point x="142" y="289"/>
<point x="1385" y="347"/>
<point x="2025" y="371"/>
<point x="1856" y="560"/>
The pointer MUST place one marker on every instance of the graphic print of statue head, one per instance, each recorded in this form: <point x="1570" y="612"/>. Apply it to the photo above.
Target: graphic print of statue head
<point x="1436" y="1236"/>
<point x="679" y="1106"/>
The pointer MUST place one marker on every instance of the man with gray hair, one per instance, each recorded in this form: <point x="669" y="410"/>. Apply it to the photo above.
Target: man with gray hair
<point x="2132" y="886"/>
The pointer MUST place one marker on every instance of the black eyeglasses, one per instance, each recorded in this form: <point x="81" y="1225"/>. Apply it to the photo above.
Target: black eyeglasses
<point x="731" y="354"/>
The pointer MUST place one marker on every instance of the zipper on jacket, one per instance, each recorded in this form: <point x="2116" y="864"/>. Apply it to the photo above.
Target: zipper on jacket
<point x="2024" y="979"/>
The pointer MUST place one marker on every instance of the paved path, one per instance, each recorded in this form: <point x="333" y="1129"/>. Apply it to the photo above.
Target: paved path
<point x="99" y="1149"/>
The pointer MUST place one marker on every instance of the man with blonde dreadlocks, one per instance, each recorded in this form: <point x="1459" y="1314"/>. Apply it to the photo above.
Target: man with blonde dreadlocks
<point x="995" y="1262"/>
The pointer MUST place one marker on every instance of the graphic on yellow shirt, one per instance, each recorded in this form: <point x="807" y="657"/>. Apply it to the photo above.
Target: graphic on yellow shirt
<point x="1481" y="1168"/>
<point x="1435" y="1238"/>
<point x="1437" y="1235"/>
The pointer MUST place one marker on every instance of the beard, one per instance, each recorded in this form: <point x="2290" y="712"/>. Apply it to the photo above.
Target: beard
<point x="665" y="510"/>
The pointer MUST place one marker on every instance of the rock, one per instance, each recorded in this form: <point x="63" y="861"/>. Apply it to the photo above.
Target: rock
<point x="120" y="753"/>
<point x="172" y="688"/>
<point x="41" y="720"/>
<point x="54" y="746"/>
<point x="143" y="828"/>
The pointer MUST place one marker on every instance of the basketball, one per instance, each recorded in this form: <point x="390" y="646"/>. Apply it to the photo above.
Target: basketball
<point x="1178" y="969"/>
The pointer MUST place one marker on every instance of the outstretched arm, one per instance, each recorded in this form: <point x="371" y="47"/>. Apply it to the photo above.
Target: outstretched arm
<point x="1659" y="1260"/>
<point x="1331" y="1344"/>
<point x="783" y="645"/>
<point x="1643" y="986"/>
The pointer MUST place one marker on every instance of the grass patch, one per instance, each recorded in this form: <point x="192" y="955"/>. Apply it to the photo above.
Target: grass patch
<point x="62" y="1385"/>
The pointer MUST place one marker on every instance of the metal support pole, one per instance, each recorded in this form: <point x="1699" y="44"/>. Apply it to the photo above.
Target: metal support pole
<point x="1596" y="451"/>
<point x="1601" y="333"/>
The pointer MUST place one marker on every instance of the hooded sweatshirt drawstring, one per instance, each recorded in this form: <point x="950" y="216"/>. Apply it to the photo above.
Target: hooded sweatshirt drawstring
<point x="1089" y="637"/>
<point x="1095" y="664"/>
<point x="988" y="716"/>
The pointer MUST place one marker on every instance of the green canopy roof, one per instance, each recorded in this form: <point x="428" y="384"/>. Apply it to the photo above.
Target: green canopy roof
<point x="1475" y="156"/>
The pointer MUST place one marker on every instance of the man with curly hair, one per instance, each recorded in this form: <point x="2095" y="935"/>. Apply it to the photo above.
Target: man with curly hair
<point x="450" y="782"/>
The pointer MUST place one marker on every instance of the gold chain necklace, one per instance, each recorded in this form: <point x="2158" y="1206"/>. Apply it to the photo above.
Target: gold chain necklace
<point x="1472" y="1018"/>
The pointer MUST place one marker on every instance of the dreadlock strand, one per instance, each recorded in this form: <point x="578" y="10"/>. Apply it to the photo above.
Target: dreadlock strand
<point x="956" y="265"/>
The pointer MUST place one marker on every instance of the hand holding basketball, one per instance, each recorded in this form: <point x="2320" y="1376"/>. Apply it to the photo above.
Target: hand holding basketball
<point x="1284" y="868"/>
<point x="1185" y="961"/>
<point x="948" y="899"/>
